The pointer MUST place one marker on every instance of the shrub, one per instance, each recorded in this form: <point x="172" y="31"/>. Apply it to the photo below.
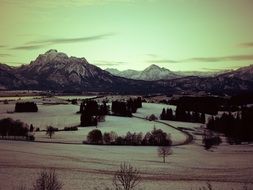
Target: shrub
<point x="152" y="117"/>
<point x="74" y="101"/>
<point x="95" y="137"/>
<point x="47" y="180"/>
<point x="74" y="128"/>
<point x="126" y="178"/>
<point x="107" y="138"/>
<point x="110" y="138"/>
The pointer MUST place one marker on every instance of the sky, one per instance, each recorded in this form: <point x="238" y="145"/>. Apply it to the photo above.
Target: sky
<point x="181" y="35"/>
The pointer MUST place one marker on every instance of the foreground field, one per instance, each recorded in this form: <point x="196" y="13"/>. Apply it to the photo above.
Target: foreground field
<point x="88" y="167"/>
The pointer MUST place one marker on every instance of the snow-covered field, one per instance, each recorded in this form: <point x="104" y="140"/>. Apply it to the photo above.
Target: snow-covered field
<point x="59" y="116"/>
<point x="120" y="125"/>
<point x="152" y="108"/>
<point x="88" y="166"/>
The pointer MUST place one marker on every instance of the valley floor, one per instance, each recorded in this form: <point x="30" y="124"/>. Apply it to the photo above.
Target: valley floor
<point x="88" y="167"/>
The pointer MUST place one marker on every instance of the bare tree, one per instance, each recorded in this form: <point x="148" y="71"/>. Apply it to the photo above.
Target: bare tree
<point x="164" y="151"/>
<point x="50" y="131"/>
<point x="47" y="180"/>
<point x="126" y="178"/>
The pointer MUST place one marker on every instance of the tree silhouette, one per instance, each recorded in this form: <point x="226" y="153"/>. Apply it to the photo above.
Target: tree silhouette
<point x="163" y="151"/>
<point x="50" y="131"/>
<point x="47" y="180"/>
<point x="127" y="177"/>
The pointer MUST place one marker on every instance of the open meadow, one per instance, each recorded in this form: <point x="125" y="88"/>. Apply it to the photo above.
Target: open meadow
<point x="87" y="167"/>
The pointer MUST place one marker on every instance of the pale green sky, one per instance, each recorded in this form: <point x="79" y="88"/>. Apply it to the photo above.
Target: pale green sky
<point x="129" y="34"/>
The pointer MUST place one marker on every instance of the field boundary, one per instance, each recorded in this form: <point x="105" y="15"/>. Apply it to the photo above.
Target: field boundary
<point x="189" y="137"/>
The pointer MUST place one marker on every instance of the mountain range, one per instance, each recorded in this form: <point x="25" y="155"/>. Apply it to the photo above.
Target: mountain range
<point x="154" y="72"/>
<point x="55" y="71"/>
<point x="151" y="73"/>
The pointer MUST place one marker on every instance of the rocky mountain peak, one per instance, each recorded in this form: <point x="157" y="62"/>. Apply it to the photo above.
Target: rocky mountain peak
<point x="153" y="66"/>
<point x="51" y="51"/>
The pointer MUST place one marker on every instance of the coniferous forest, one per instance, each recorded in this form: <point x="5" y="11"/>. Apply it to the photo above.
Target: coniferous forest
<point x="237" y="127"/>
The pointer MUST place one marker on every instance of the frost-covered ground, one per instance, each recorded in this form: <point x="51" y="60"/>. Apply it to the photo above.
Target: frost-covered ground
<point x="62" y="115"/>
<point x="152" y="108"/>
<point x="87" y="166"/>
<point x="59" y="116"/>
<point x="121" y="125"/>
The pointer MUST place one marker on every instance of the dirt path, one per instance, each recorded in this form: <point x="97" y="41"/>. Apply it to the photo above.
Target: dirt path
<point x="189" y="137"/>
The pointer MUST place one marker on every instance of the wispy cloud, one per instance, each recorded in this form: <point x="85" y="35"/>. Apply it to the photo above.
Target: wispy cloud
<point x="218" y="59"/>
<point x="5" y="55"/>
<point x="108" y="63"/>
<point x="246" y="45"/>
<point x="60" y="3"/>
<point x="30" y="47"/>
<point x="38" y="44"/>
<point x="163" y="61"/>
<point x="72" y="40"/>
<point x="206" y="59"/>
<point x="151" y="55"/>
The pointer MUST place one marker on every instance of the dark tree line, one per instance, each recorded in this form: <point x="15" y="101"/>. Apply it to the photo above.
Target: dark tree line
<point x="12" y="128"/>
<point x="236" y="128"/>
<point x="182" y="115"/>
<point x="207" y="104"/>
<point x="126" y="108"/>
<point x="26" y="107"/>
<point x="156" y="137"/>
<point x="212" y="104"/>
<point x="92" y="112"/>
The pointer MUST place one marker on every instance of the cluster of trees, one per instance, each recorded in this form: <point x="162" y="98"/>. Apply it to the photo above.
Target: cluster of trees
<point x="26" y="107"/>
<point x="206" y="104"/>
<point x="92" y="112"/>
<point x="14" y="128"/>
<point x="212" y="104"/>
<point x="236" y="128"/>
<point x="182" y="115"/>
<point x="154" y="138"/>
<point x="123" y="108"/>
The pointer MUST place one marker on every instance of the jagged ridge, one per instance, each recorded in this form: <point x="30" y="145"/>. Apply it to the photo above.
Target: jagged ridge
<point x="56" y="71"/>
